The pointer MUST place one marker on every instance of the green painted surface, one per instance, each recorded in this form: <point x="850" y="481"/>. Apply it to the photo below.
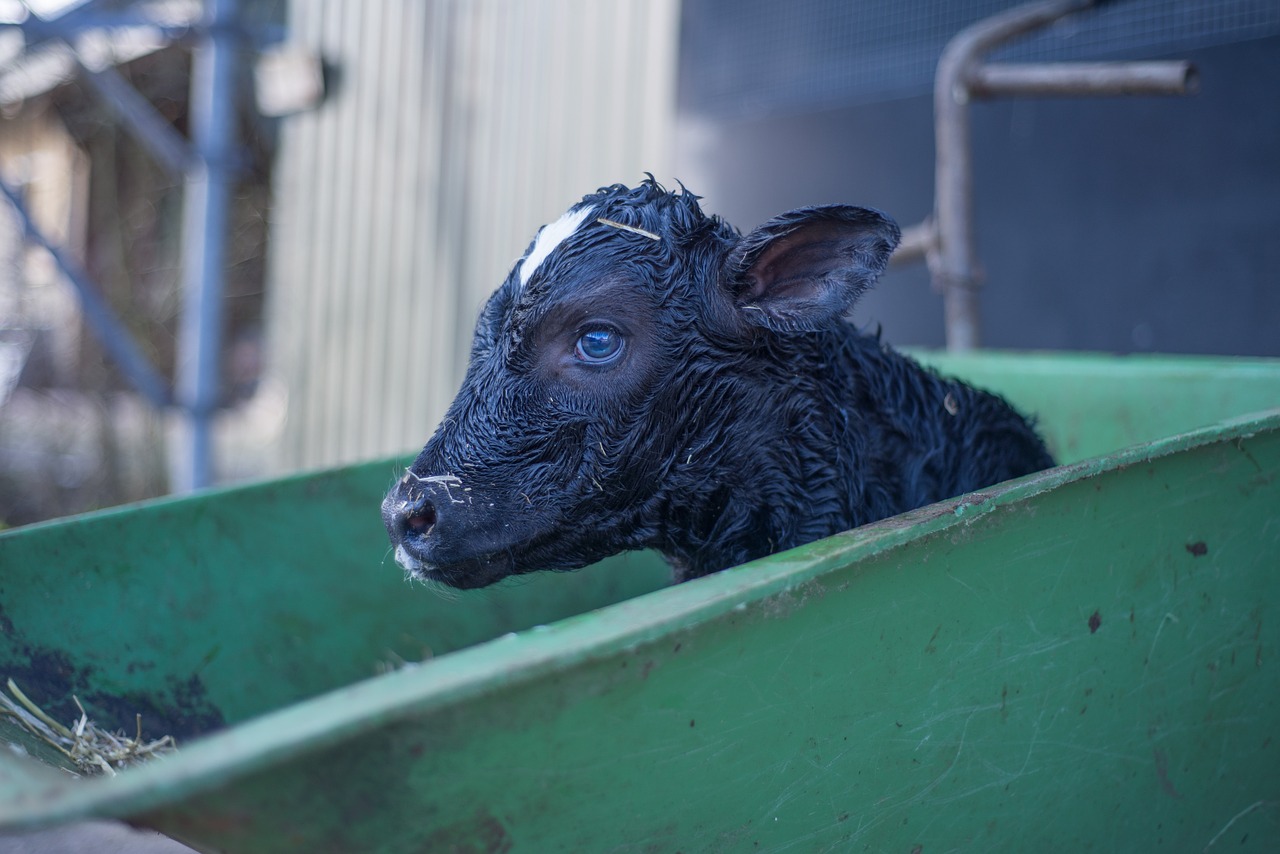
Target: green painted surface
<point x="1084" y="657"/>
<point x="1091" y="404"/>
<point x="206" y="610"/>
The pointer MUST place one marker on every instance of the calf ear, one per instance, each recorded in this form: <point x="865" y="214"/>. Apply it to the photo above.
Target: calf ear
<point x="806" y="268"/>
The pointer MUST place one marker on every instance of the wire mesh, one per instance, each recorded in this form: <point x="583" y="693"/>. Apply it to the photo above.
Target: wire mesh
<point x="760" y="56"/>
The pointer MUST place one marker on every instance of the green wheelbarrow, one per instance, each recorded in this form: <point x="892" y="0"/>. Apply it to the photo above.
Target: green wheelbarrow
<point x="1086" y="657"/>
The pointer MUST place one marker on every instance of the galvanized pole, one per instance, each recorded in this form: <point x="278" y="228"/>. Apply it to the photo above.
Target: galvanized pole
<point x="205" y="215"/>
<point x="113" y="334"/>
<point x="954" y="261"/>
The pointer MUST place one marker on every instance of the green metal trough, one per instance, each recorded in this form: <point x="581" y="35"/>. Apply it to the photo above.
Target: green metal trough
<point x="1087" y="658"/>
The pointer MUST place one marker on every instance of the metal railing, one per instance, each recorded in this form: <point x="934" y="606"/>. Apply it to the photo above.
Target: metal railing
<point x="207" y="163"/>
<point x="946" y="239"/>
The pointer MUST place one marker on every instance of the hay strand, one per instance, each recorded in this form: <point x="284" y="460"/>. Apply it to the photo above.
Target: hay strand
<point x="92" y="749"/>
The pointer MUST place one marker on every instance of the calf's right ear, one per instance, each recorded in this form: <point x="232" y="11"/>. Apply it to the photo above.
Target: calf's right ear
<point x="806" y="268"/>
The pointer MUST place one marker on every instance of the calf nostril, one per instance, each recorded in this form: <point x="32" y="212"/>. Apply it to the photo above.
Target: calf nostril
<point x="421" y="519"/>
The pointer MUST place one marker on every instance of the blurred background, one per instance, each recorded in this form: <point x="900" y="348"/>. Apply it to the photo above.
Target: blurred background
<point x="282" y="216"/>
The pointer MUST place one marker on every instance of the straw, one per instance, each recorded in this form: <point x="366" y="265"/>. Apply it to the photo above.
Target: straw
<point x="92" y="749"/>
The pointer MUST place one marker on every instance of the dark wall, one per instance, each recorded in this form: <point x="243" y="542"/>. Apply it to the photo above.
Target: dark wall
<point x="1112" y="224"/>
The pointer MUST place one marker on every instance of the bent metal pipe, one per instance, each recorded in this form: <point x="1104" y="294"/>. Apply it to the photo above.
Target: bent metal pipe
<point x="946" y="239"/>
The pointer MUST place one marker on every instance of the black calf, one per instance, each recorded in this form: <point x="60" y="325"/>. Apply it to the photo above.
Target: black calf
<point x="648" y="378"/>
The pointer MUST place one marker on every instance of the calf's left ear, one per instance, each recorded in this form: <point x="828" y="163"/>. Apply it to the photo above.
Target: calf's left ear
<point x="804" y="269"/>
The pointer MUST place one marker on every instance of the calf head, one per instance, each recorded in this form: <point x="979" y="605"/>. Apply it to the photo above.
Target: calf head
<point x="622" y="382"/>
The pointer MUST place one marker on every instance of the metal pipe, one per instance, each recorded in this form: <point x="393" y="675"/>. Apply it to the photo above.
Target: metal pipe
<point x="1083" y="78"/>
<point x="917" y="242"/>
<point x="82" y="19"/>
<point x="39" y="30"/>
<point x="953" y="261"/>
<point x="206" y="204"/>
<point x="148" y="127"/>
<point x="152" y="131"/>
<point x="115" y="338"/>
<point x="36" y="30"/>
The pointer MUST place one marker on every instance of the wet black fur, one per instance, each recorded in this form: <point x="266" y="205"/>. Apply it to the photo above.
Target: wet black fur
<point x="744" y="416"/>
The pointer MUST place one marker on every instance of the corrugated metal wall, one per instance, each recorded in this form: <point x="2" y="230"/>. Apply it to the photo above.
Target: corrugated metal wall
<point x="452" y="130"/>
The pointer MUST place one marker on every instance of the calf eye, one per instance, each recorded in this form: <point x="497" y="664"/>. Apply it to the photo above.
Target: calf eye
<point x="599" y="345"/>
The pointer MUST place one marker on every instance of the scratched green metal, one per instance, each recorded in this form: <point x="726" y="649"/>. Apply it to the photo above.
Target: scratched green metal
<point x="1085" y="657"/>
<point x="245" y="600"/>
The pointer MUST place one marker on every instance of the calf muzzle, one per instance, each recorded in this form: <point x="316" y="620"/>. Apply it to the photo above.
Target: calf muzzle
<point x="408" y="514"/>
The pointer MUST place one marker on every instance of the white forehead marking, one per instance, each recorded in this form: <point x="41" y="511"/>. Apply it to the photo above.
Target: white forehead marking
<point x="549" y="237"/>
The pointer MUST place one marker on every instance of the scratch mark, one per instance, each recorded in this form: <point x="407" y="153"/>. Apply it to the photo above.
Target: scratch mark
<point x="1160" y="628"/>
<point x="1242" y="449"/>
<point x="1133" y="759"/>
<point x="962" y="584"/>
<point x="1069" y="560"/>
<point x="968" y="711"/>
<point x="1244" y="812"/>
<point x="891" y="804"/>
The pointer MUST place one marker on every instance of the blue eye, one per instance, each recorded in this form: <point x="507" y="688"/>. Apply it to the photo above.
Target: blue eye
<point x="599" y="345"/>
